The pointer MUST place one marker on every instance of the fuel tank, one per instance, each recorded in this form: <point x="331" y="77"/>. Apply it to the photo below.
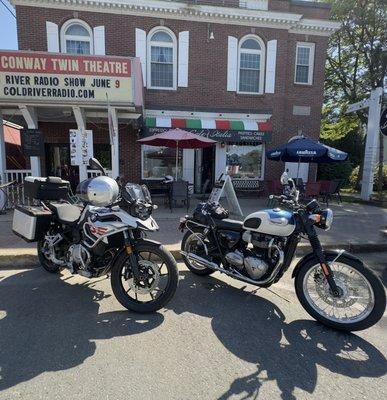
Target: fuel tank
<point x="274" y="222"/>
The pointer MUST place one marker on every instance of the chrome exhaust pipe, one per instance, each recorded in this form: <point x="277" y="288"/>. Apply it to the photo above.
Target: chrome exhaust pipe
<point x="205" y="263"/>
<point x="200" y="260"/>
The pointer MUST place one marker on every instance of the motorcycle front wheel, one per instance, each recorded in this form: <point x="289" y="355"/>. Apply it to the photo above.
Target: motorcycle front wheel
<point x="362" y="299"/>
<point x="158" y="278"/>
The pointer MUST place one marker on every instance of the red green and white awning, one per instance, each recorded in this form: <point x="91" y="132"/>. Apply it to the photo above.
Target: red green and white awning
<point x="215" y="124"/>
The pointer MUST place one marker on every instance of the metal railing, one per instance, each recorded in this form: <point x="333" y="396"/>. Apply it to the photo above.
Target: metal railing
<point x="14" y="194"/>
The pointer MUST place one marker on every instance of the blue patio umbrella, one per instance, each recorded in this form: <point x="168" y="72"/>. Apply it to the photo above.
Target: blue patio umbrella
<point x="306" y="150"/>
<point x="303" y="149"/>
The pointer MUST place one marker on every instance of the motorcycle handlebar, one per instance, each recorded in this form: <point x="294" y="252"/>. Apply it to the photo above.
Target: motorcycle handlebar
<point x="283" y="199"/>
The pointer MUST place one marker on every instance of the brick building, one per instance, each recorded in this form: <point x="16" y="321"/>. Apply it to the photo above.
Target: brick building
<point x="247" y="73"/>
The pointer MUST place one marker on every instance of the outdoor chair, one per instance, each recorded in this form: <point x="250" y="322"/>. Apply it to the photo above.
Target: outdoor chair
<point x="331" y="190"/>
<point x="179" y="192"/>
<point x="312" y="190"/>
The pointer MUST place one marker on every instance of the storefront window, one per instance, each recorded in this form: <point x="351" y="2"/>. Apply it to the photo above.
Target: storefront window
<point x="157" y="162"/>
<point x="244" y="162"/>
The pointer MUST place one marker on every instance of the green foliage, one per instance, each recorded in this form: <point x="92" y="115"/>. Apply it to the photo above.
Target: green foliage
<point x="353" y="179"/>
<point x="339" y="129"/>
<point x="355" y="55"/>
<point x="384" y="178"/>
<point x="335" y="171"/>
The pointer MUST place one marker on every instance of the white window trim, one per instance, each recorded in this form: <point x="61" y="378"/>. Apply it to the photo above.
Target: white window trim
<point x="262" y="52"/>
<point x="63" y="35"/>
<point x="161" y="44"/>
<point x="311" y="46"/>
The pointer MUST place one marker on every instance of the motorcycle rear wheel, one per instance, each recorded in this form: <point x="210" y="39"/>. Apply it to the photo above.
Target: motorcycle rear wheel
<point x="188" y="244"/>
<point x="47" y="264"/>
<point x="361" y="305"/>
<point x="155" y="262"/>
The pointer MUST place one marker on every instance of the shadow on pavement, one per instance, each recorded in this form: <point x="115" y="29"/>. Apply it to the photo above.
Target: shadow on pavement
<point x="49" y="325"/>
<point x="255" y="330"/>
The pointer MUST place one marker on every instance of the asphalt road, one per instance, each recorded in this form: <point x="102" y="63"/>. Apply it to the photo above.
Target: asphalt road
<point x="68" y="338"/>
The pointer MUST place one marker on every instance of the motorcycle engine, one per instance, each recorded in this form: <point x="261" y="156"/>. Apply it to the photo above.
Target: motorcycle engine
<point x="255" y="262"/>
<point x="80" y="256"/>
<point x="254" y="266"/>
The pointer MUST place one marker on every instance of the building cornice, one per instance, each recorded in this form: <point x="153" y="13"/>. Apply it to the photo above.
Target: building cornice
<point x="294" y="23"/>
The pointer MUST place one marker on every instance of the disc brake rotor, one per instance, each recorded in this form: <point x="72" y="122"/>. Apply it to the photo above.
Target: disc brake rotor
<point x="347" y="297"/>
<point x="148" y="280"/>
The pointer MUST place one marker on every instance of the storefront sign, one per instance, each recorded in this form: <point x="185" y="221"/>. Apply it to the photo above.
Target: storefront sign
<point x="220" y="135"/>
<point x="32" y="142"/>
<point x="63" y="78"/>
<point x="81" y="146"/>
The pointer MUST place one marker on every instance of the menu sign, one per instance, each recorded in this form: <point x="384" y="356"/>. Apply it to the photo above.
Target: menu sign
<point x="46" y="77"/>
<point x="81" y="146"/>
<point x="32" y="142"/>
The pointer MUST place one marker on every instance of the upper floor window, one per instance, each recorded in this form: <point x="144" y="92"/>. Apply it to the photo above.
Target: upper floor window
<point x="76" y="38"/>
<point x="162" y="59"/>
<point x="251" y="65"/>
<point x="304" y="63"/>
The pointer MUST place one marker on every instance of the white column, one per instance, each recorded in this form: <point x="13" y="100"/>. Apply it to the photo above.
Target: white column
<point x="3" y="165"/>
<point x="220" y="160"/>
<point x="372" y="143"/>
<point x="80" y="118"/>
<point x="30" y="116"/>
<point x="114" y="145"/>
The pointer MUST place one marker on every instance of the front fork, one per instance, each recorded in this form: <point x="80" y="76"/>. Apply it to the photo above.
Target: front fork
<point x="318" y="251"/>
<point x="130" y="251"/>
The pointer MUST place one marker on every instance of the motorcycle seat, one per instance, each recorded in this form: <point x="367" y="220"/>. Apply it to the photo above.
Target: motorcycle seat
<point x="229" y="224"/>
<point x="66" y="213"/>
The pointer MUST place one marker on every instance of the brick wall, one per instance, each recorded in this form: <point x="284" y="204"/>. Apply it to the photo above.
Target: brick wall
<point x="207" y="68"/>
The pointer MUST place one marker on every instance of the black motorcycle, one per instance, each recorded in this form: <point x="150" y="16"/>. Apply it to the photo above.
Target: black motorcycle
<point x="334" y="287"/>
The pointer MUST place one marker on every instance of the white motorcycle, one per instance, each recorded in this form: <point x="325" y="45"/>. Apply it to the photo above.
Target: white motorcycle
<point x="105" y="234"/>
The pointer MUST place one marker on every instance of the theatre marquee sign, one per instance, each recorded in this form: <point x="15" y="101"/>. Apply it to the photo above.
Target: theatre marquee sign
<point x="31" y="77"/>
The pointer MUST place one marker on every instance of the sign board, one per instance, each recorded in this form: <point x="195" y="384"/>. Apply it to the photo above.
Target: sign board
<point x="81" y="146"/>
<point x="32" y="142"/>
<point x="220" y="135"/>
<point x="383" y="122"/>
<point x="64" y="78"/>
<point x="226" y="189"/>
<point x="358" y="106"/>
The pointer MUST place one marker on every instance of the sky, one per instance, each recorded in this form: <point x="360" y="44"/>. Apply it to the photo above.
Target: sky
<point x="8" y="35"/>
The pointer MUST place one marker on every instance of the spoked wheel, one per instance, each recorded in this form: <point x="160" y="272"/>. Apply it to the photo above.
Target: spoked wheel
<point x="194" y="242"/>
<point x="362" y="298"/>
<point x="157" y="282"/>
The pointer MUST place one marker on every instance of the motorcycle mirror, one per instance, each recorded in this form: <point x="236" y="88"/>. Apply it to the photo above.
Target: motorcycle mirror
<point x="284" y="178"/>
<point x="95" y="164"/>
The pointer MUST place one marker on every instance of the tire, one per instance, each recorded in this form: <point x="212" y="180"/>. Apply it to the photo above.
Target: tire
<point x="374" y="282"/>
<point x="48" y="265"/>
<point x="145" y="307"/>
<point x="202" y="271"/>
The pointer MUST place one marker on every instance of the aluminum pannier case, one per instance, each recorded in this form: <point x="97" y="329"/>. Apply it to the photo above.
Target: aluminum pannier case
<point x="31" y="222"/>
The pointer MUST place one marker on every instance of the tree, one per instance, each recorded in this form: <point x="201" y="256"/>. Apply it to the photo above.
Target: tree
<point x="356" y="64"/>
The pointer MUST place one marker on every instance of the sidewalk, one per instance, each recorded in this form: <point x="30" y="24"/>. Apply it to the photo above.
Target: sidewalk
<point x="356" y="227"/>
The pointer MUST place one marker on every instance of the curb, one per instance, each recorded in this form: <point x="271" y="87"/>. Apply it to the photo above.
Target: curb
<point x="30" y="258"/>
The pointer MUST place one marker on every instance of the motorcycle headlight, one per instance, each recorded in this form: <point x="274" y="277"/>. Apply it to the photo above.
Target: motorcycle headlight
<point x="142" y="211"/>
<point x="326" y="219"/>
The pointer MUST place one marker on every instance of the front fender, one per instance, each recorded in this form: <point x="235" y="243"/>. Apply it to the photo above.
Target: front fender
<point x="328" y="254"/>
